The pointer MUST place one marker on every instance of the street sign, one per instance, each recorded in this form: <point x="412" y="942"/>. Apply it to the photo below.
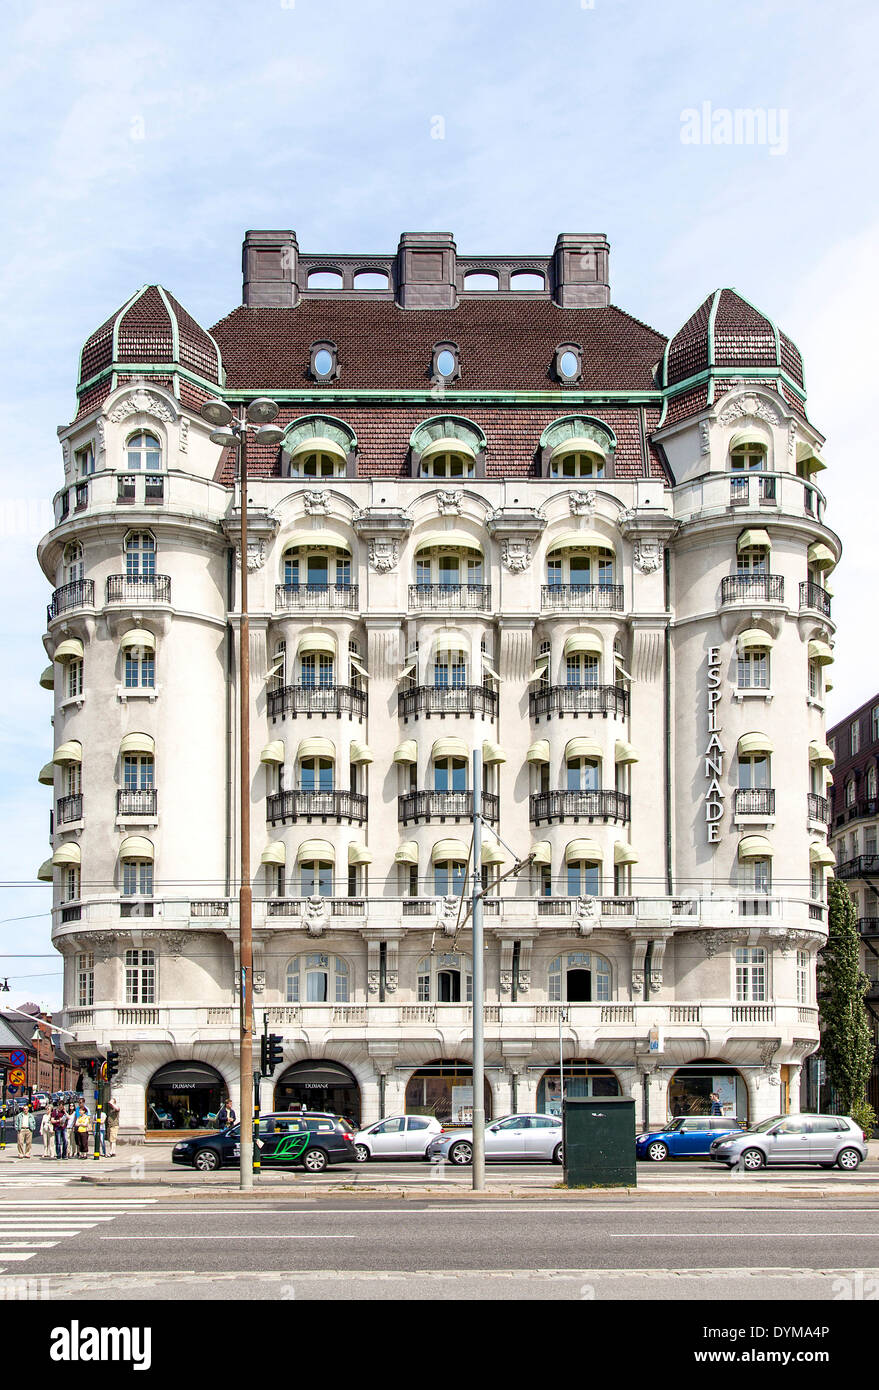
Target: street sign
<point x="16" y="1076"/>
<point x="17" y="1058"/>
<point x="12" y="1090"/>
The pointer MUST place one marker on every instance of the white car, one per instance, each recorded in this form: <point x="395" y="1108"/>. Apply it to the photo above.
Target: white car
<point x="536" y="1137"/>
<point x="397" y="1136"/>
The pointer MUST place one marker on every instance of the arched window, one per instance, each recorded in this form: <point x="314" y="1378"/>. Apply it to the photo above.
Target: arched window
<point x="371" y="280"/>
<point x="851" y="792"/>
<point x="579" y="977"/>
<point x="72" y="563"/>
<point x="140" y="555"/>
<point x="480" y="281"/>
<point x="448" y="465"/>
<point x="324" y="280"/>
<point x="577" y="464"/>
<point x="317" y="979"/>
<point x="749" y="456"/>
<point x="445" y="979"/>
<point x="872" y="782"/>
<point x="143" y="453"/>
<point x="317" y="464"/>
<point x="449" y="774"/>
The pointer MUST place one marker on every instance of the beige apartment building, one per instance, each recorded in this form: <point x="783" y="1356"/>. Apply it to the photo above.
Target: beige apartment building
<point x="507" y="516"/>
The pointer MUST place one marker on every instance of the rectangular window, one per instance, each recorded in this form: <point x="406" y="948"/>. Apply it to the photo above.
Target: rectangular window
<point x="140" y="977"/>
<point x="750" y="975"/>
<point x="856" y="736"/>
<point x="802" y="977"/>
<point x="85" y="980"/>
<point x="70" y="884"/>
<point x="85" y="461"/>
<point x="584" y="880"/>
<point x="343" y="571"/>
<point x="74" y="679"/>
<point x="754" y="671"/>
<point x="137" y="878"/>
<point x="140" y="671"/>
<point x="815" y="690"/>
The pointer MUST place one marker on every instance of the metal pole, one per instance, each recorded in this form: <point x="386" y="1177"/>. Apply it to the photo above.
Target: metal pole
<point x="245" y="895"/>
<point x="562" y="1018"/>
<point x="478" y="985"/>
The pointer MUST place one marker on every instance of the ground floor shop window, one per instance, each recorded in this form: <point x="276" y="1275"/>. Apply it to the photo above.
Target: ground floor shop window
<point x="445" y="1089"/>
<point x="581" y="1082"/>
<point x="709" y="1089"/>
<point x="319" y="1085"/>
<point x="184" y="1095"/>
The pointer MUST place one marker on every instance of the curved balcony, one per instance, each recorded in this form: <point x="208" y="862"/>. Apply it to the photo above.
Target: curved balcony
<point x="444" y="806"/>
<point x="294" y="598"/>
<point x="754" y="801"/>
<point x="818" y="808"/>
<point x="579" y="699"/>
<point x="425" y="598"/>
<point x="299" y="805"/>
<point x="814" y="597"/>
<point x="293" y="700"/>
<point x="79" y="594"/>
<point x="137" y="801"/>
<point x="579" y="805"/>
<point x="752" y="588"/>
<point x="141" y="588"/>
<point x="68" y="808"/>
<point x="582" y="598"/>
<point x="447" y="699"/>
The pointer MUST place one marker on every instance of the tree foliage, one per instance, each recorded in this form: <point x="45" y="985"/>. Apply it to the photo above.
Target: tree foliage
<point x="846" y="1039"/>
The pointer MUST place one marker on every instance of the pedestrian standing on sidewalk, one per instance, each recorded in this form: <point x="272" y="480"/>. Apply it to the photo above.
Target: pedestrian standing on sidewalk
<point x="81" y="1126"/>
<point x="48" y="1134"/>
<point x="24" y="1126"/>
<point x="68" y="1130"/>
<point x="113" y="1113"/>
<point x="59" y="1128"/>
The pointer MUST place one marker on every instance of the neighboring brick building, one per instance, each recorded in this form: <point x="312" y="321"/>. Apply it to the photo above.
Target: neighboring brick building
<point x="47" y="1066"/>
<point x="504" y="514"/>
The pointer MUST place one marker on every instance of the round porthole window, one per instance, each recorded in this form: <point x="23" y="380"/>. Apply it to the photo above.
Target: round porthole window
<point x="445" y="362"/>
<point x="323" y="362"/>
<point x="568" y="364"/>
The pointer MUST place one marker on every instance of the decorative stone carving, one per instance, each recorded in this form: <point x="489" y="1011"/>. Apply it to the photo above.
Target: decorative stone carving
<point x="317" y="503"/>
<point x="384" y="552"/>
<point x="141" y="402"/>
<point x="315" y="916"/>
<point x="372" y="981"/>
<point x="259" y="981"/>
<point x="103" y="943"/>
<point x="173" y="942"/>
<point x="705" y="440"/>
<point x="714" y="941"/>
<point x="524" y="981"/>
<point x="792" y="438"/>
<point x="647" y="556"/>
<point x="449" y="500"/>
<point x="586" y="916"/>
<point x="183" y="444"/>
<point x="256" y="555"/>
<point x="516" y="554"/>
<point x="391" y="981"/>
<point x="447" y="914"/>
<point x="126" y="1052"/>
<point x="582" y="503"/>
<point x="506" y="981"/>
<point x="749" y="405"/>
<point x="767" y="1052"/>
<point x="101" y="450"/>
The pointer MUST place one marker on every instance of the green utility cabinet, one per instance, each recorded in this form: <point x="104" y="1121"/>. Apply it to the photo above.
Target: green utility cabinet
<point x="599" y="1142"/>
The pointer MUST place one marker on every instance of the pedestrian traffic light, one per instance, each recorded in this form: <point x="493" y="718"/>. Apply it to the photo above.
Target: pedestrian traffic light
<point x="271" y="1052"/>
<point x="112" y="1064"/>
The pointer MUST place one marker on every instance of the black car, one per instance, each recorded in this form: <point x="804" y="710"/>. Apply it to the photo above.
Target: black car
<point x="308" y="1140"/>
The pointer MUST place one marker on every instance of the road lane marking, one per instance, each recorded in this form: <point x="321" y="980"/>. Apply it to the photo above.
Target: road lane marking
<point x="300" y="1235"/>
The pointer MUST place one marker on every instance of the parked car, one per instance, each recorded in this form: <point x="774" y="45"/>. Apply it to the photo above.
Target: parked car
<point x="397" y="1136"/>
<point x="824" y="1139"/>
<point x="685" y="1137"/>
<point x="312" y="1141"/>
<point x="537" y="1137"/>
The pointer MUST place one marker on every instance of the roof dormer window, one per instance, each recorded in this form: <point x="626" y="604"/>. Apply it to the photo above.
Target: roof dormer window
<point x="568" y="364"/>
<point x="323" y="362"/>
<point x="445" y="366"/>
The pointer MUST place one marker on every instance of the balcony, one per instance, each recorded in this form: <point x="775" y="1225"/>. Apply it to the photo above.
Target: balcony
<point x="858" y="811"/>
<point x="580" y="699"/>
<point x="579" y="805"/>
<point x="137" y="801"/>
<point x="79" y="594"/>
<point x="752" y="588"/>
<point x="868" y="926"/>
<point x="325" y="805"/>
<point x="321" y="597"/>
<point x="444" y="806"/>
<point x="814" y="597"/>
<point x="425" y="598"/>
<point x="864" y="866"/>
<point x="68" y="808"/>
<point x="293" y="700"/>
<point x="740" y="494"/>
<point x="582" y="598"/>
<point x="754" y="801"/>
<point x="818" y="808"/>
<point x="447" y="699"/>
<point x="136" y="589"/>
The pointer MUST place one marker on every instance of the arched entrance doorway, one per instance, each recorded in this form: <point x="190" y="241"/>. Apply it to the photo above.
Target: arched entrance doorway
<point x="444" y="1089"/>
<point x="692" y="1087"/>
<point x="319" y="1085"/>
<point x="582" y="1080"/>
<point x="184" y="1095"/>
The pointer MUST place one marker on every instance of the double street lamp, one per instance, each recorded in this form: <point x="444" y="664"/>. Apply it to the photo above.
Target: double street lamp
<point x="231" y="431"/>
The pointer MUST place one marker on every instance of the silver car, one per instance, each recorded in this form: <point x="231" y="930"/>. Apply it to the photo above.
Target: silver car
<point x="537" y="1137"/>
<point x="397" y="1136"/>
<point x="824" y="1139"/>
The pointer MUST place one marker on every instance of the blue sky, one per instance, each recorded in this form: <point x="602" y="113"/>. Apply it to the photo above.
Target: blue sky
<point x="139" y="144"/>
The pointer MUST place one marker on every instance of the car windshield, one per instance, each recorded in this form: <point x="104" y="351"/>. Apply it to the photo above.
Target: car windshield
<point x="673" y="1125"/>
<point x="765" y="1125"/>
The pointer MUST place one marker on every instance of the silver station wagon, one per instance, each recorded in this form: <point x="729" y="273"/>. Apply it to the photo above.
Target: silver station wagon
<point x="829" y="1140"/>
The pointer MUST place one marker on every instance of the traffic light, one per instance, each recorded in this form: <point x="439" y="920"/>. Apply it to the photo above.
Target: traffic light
<point x="271" y="1052"/>
<point x="112" y="1064"/>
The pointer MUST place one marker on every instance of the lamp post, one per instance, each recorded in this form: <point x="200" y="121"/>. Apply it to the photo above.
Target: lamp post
<point x="232" y="433"/>
<point x="478" y="1128"/>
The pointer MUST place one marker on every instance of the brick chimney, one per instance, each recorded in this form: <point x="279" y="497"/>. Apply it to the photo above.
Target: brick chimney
<point x="269" y="261"/>
<point x="581" y="276"/>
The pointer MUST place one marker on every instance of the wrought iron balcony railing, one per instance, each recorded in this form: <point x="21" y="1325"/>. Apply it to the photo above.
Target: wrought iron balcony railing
<point x="68" y="808"/>
<point x="864" y="866"/>
<point x="444" y="806"/>
<point x="137" y="801"/>
<point x="814" y="597"/>
<point x="79" y="594"/>
<point x="818" y="808"/>
<point x="752" y="588"/>
<point x="300" y="805"/>
<point x="579" y="699"/>
<point x="579" y="805"/>
<point x="755" y="801"/>
<point x="431" y="596"/>
<point x="321" y="596"/>
<point x="582" y="597"/>
<point x="140" y="588"/>
<point x="292" y="700"/>
<point x="447" y="699"/>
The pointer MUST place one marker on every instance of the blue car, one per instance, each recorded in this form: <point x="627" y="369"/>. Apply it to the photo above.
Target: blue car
<point x="689" y="1136"/>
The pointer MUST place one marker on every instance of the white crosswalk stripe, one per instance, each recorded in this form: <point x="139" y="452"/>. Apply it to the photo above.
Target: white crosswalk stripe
<point x="29" y="1226"/>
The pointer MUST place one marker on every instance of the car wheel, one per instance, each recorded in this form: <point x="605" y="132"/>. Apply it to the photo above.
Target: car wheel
<point x="558" y="1154"/>
<point x="362" y="1152"/>
<point x="461" y="1153"/>
<point x="849" y="1159"/>
<point x="207" y="1160"/>
<point x="752" y="1159"/>
<point x="428" y="1156"/>
<point x="315" y="1161"/>
<point x="658" y="1152"/>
